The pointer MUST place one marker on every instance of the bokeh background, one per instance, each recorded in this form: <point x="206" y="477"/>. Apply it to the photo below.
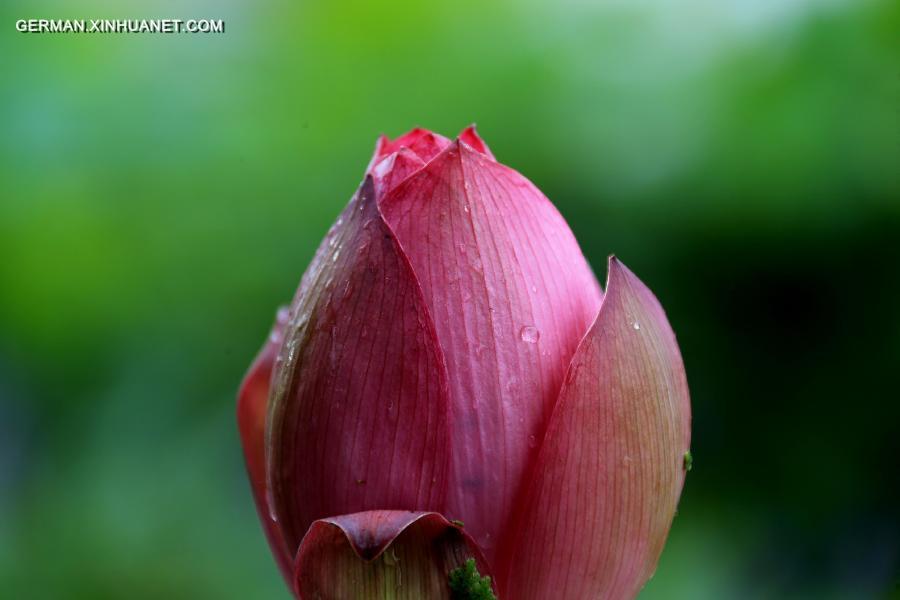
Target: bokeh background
<point x="161" y="195"/>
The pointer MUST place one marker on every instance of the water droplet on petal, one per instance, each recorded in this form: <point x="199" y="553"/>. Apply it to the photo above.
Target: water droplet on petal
<point x="530" y="334"/>
<point x="636" y="325"/>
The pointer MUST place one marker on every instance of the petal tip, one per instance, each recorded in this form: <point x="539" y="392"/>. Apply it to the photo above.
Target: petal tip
<point x="469" y="136"/>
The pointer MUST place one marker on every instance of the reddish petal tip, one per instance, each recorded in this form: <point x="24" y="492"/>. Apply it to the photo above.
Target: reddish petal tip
<point x="394" y="169"/>
<point x="470" y="137"/>
<point x="426" y="144"/>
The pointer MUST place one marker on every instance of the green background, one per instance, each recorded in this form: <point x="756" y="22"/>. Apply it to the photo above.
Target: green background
<point x="160" y="196"/>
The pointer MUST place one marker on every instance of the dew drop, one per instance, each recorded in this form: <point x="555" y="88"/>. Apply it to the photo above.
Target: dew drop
<point x="636" y="325"/>
<point x="532" y="441"/>
<point x="530" y="334"/>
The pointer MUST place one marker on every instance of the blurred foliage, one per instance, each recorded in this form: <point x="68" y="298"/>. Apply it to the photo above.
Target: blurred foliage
<point x="161" y="195"/>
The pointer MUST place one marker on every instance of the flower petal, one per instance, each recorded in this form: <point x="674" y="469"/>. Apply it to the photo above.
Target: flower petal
<point x="425" y="144"/>
<point x="378" y="555"/>
<point x="359" y="411"/>
<point x="611" y="468"/>
<point x="251" y="416"/>
<point x="394" y="169"/>
<point x="510" y="295"/>
<point x="470" y="136"/>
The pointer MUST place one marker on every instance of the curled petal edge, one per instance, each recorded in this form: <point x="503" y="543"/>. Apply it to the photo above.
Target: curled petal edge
<point x="382" y="554"/>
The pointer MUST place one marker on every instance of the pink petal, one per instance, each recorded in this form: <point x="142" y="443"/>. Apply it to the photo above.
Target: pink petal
<point x="425" y="144"/>
<point x="381" y="146"/>
<point x="470" y="136"/>
<point x="394" y="169"/>
<point x="359" y="411"/>
<point x="382" y="555"/>
<point x="510" y="295"/>
<point x="611" y="468"/>
<point x="251" y="415"/>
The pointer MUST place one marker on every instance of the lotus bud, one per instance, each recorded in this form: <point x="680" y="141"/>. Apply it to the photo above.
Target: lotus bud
<point x="452" y="406"/>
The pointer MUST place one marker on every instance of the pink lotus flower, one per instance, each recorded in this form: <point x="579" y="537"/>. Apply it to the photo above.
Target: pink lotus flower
<point x="451" y="383"/>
